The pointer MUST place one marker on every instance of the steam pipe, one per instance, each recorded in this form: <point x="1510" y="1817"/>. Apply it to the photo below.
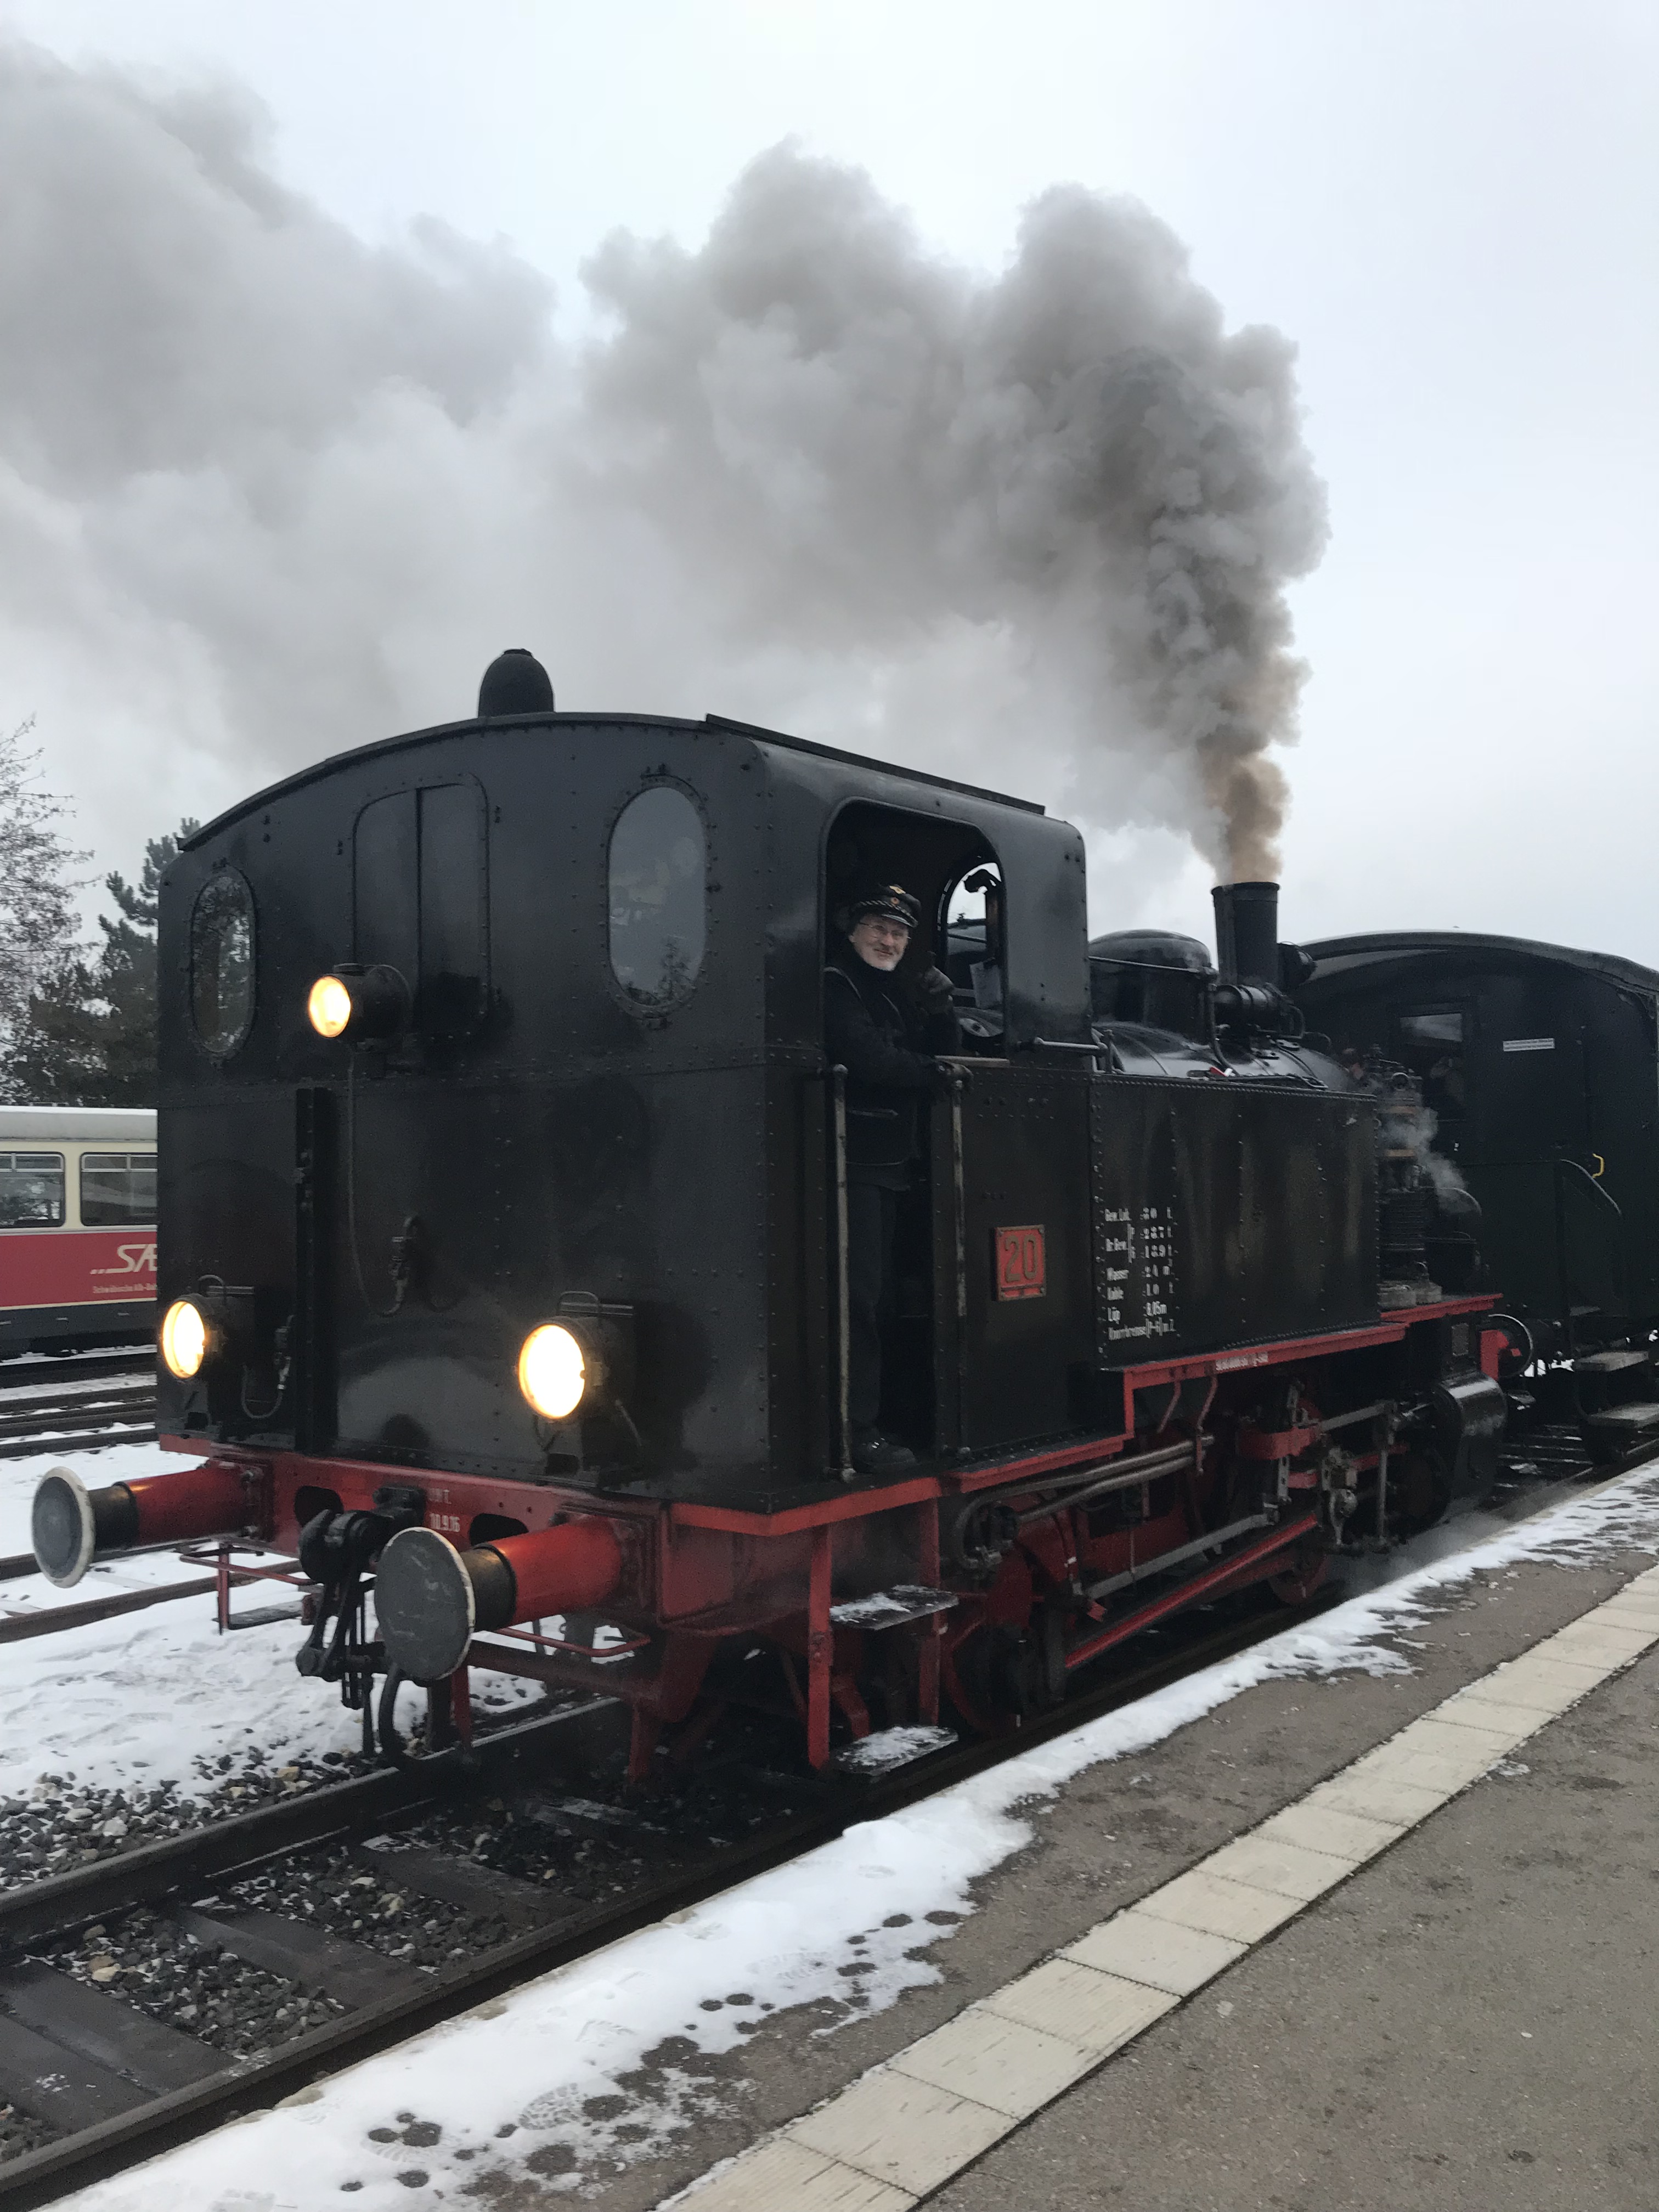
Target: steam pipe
<point x="73" y="1526"/>
<point x="430" y="1598"/>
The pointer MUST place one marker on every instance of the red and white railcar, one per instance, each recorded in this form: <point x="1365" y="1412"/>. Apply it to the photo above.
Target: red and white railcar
<point x="77" y="1226"/>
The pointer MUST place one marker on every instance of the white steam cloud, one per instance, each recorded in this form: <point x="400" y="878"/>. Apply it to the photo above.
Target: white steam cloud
<point x="266" y="491"/>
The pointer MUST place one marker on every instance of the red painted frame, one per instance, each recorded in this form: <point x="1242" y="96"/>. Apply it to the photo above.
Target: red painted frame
<point x="697" y="1574"/>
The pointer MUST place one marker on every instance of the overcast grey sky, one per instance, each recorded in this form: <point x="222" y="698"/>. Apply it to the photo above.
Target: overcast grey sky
<point x="1449" y="211"/>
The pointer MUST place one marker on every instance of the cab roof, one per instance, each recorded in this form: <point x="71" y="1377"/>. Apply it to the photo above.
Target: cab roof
<point x="318" y="769"/>
<point x="1337" y="956"/>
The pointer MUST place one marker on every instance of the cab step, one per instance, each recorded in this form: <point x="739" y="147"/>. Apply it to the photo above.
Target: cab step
<point x="1634" y="1420"/>
<point x="891" y="1608"/>
<point x="1620" y="1362"/>
<point x="884" y="1749"/>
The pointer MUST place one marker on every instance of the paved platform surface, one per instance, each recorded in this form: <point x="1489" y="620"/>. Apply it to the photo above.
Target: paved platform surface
<point x="1467" y="2019"/>
<point x="1472" y="2020"/>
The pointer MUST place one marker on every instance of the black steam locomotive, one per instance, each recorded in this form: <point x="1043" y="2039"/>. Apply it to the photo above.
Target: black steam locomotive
<point x="503" y="1252"/>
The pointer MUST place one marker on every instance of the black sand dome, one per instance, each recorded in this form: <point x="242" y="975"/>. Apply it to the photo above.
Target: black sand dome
<point x="515" y="682"/>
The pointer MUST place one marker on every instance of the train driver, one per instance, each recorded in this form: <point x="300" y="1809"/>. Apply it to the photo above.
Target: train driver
<point x="885" y="1031"/>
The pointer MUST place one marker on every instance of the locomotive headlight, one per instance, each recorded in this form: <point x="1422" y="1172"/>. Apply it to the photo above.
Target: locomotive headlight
<point x="329" y="1006"/>
<point x="556" y="1371"/>
<point x="356" y="1003"/>
<point x="185" y="1337"/>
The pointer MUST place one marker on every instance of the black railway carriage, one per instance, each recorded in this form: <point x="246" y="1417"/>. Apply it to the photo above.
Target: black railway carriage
<point x="1541" y="1066"/>
<point x="501" y="1243"/>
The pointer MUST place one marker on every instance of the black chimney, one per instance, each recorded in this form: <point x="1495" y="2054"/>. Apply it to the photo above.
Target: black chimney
<point x="515" y="682"/>
<point x="1246" y="932"/>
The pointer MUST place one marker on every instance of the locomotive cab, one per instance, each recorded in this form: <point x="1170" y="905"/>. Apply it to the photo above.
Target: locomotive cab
<point x="514" y="1025"/>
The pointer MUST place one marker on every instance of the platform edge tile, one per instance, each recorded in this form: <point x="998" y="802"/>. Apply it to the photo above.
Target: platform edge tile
<point x="1238" y="1911"/>
<point x="1283" y="1868"/>
<point x="1098" y="2012"/>
<point x="905" y="2132"/>
<point x="1356" y="1837"/>
<point x="1163" y="1954"/>
<point x="781" y="2176"/>
<point x="986" y="2055"/>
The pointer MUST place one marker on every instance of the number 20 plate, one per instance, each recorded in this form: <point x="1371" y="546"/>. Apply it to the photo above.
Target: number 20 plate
<point x="1022" y="1263"/>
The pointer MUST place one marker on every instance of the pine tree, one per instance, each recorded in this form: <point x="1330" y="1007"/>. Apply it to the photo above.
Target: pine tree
<point x="37" y="891"/>
<point x="89" y="1038"/>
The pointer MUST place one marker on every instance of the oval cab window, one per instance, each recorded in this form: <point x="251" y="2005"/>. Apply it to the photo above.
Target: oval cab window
<point x="221" y="962"/>
<point x="658" y="896"/>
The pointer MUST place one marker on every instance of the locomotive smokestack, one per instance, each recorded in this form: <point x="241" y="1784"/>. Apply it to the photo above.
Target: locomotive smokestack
<point x="1246" y="932"/>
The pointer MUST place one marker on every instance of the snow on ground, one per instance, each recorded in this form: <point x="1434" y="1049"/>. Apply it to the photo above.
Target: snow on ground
<point x="528" y="2065"/>
<point x="160" y="1695"/>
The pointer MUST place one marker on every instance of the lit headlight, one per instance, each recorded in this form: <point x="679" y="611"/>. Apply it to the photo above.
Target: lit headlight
<point x="329" y="1006"/>
<point x="359" y="1003"/>
<point x="186" y="1337"/>
<point x="553" y="1370"/>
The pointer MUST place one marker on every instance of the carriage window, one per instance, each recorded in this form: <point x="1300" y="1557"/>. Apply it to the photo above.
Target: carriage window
<point x="1431" y="1045"/>
<point x="117" y="1188"/>
<point x="420" y="890"/>
<point x="31" y="1190"/>
<point x="657" y="895"/>
<point x="1439" y="1029"/>
<point x="221" y="962"/>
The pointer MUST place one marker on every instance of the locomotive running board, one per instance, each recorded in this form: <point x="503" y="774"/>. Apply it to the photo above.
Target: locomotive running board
<point x="833" y="1504"/>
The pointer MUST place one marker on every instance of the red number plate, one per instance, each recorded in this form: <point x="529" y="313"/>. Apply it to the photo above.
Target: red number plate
<point x="1022" y="1263"/>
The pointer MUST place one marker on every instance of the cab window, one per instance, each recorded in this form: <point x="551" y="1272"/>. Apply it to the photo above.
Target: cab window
<point x="973" y="936"/>
<point x="31" y="1190"/>
<point x="221" y="962"/>
<point x="420" y="893"/>
<point x="658" y="896"/>
<point x="116" y="1189"/>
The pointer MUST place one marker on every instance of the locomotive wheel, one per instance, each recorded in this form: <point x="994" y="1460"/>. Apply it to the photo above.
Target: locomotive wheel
<point x="1420" y="1491"/>
<point x="1518" y="1351"/>
<point x="1302" y="1574"/>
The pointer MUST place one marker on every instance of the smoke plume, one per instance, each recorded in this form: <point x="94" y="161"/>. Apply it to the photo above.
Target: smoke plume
<point x="266" y="491"/>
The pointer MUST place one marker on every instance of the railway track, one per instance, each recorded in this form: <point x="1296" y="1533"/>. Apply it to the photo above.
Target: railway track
<point x="28" y="1373"/>
<point x="76" y="1405"/>
<point x="150" y="1996"/>
<point x="96" y="2083"/>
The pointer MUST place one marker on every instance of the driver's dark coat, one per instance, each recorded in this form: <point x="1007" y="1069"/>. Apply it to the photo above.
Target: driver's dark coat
<point x="874" y="1027"/>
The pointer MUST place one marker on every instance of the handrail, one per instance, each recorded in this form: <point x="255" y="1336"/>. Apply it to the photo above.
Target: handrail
<point x="843" y="1438"/>
<point x="1567" y="1169"/>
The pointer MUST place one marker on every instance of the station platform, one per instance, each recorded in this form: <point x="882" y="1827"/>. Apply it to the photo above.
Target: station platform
<point x="1377" y="1943"/>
